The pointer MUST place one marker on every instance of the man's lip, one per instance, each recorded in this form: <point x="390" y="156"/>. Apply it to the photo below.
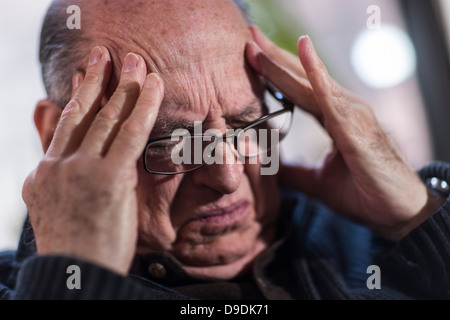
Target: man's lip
<point x="222" y="216"/>
<point x="220" y="211"/>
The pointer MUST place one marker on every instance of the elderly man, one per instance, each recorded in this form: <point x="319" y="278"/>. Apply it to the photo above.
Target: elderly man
<point x="109" y="221"/>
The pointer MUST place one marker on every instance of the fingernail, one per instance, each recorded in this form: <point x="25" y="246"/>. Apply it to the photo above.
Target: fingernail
<point x="305" y="36"/>
<point x="307" y="47"/>
<point x="96" y="55"/>
<point x="152" y="81"/>
<point x="130" y="63"/>
<point x="76" y="80"/>
<point x="255" y="46"/>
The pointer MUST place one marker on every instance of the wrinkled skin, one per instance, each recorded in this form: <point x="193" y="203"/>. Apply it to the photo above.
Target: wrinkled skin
<point x="91" y="198"/>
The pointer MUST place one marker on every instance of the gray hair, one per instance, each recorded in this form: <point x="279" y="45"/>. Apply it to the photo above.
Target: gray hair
<point x="62" y="51"/>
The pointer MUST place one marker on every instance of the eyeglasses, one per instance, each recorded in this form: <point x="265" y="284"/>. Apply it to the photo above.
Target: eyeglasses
<point x="184" y="153"/>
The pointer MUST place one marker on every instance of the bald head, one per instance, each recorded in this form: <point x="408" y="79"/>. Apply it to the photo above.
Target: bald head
<point x="168" y="34"/>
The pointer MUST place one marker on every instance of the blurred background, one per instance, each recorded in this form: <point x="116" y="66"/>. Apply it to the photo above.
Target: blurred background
<point x="392" y="53"/>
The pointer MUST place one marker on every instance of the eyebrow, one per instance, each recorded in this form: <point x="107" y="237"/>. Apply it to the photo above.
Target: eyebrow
<point x="165" y="125"/>
<point x="248" y="113"/>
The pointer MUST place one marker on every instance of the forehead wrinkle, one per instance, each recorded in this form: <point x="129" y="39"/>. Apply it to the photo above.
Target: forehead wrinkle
<point x="208" y="95"/>
<point x="164" y="55"/>
<point x="234" y="98"/>
<point x="197" y="38"/>
<point x="119" y="49"/>
<point x="191" y="88"/>
<point x="193" y="24"/>
<point x="180" y="49"/>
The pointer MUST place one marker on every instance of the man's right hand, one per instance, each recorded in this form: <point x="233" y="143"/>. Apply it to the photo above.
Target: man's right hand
<point x="81" y="198"/>
<point x="365" y="177"/>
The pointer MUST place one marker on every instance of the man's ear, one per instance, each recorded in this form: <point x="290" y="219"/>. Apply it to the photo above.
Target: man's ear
<point x="46" y="117"/>
<point x="47" y="113"/>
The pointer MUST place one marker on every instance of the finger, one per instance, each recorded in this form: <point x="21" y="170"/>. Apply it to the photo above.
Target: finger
<point x="82" y="107"/>
<point x="77" y="79"/>
<point x="330" y="98"/>
<point x="283" y="57"/>
<point x="134" y="132"/>
<point x="109" y="118"/>
<point x="296" y="88"/>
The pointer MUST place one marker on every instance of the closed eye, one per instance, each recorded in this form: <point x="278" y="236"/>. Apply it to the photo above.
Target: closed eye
<point x="246" y="117"/>
<point x="162" y="148"/>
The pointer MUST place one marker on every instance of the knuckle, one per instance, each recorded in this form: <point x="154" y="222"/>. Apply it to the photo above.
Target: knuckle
<point x="45" y="166"/>
<point x="75" y="163"/>
<point x="336" y="92"/>
<point x="92" y="78"/>
<point x="27" y="189"/>
<point x="74" y="106"/>
<point x="134" y="127"/>
<point x="109" y="113"/>
<point x="128" y="88"/>
<point x="38" y="178"/>
<point x="75" y="171"/>
<point x="90" y="174"/>
<point x="147" y="99"/>
<point x="343" y="108"/>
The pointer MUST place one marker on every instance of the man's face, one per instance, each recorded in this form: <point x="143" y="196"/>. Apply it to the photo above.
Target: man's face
<point x="217" y="219"/>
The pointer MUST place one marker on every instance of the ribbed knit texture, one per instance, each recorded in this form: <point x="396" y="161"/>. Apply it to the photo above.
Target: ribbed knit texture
<point x="327" y="256"/>
<point x="45" y="277"/>
<point x="421" y="261"/>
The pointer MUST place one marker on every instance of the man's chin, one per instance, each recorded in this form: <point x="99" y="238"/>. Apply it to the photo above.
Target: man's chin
<point x="234" y="265"/>
<point x="225" y="248"/>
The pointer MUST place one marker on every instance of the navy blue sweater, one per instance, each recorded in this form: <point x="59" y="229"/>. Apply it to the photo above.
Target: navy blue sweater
<point x="318" y="255"/>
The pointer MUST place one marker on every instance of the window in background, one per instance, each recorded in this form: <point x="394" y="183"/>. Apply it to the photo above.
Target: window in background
<point x="445" y="16"/>
<point x="378" y="64"/>
<point x="426" y="24"/>
<point x="20" y="89"/>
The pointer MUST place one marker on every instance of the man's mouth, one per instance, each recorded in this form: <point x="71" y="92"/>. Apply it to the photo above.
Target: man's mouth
<point x="224" y="217"/>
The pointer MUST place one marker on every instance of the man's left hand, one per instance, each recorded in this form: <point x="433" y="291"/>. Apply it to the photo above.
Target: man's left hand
<point x="364" y="177"/>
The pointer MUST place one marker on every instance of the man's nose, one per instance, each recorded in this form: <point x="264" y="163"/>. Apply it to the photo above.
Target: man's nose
<point x="223" y="173"/>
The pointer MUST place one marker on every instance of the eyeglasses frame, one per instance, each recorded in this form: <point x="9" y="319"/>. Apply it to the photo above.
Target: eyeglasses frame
<point x="288" y="106"/>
